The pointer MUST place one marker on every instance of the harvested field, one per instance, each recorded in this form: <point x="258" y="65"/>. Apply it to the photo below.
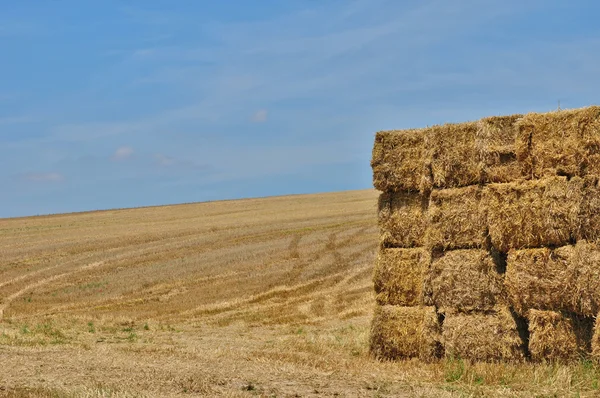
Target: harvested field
<point x="491" y="336"/>
<point x="465" y="280"/>
<point x="398" y="277"/>
<point x="565" y="142"/>
<point x="262" y="297"/>
<point x="402" y="219"/>
<point x="555" y="336"/>
<point x="532" y="213"/>
<point x="398" y="160"/>
<point x="455" y="219"/>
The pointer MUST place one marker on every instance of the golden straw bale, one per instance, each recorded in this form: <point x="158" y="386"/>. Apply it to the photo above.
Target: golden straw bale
<point x="556" y="336"/>
<point x="588" y="223"/>
<point x="405" y="332"/>
<point x="455" y="219"/>
<point x="491" y="337"/>
<point x="540" y="278"/>
<point x="465" y="280"/>
<point x="562" y="279"/>
<point x="398" y="160"/>
<point x="496" y="148"/>
<point x="565" y="142"/>
<point x="402" y="219"/>
<point x="532" y="213"/>
<point x="596" y="339"/>
<point x="452" y="154"/>
<point x="398" y="277"/>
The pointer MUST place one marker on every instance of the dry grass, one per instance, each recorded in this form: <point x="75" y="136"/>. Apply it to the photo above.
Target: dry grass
<point x="265" y="297"/>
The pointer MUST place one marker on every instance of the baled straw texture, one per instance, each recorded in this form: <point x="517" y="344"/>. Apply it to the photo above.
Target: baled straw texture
<point x="405" y="332"/>
<point x="562" y="279"/>
<point x="398" y="160"/>
<point x="596" y="339"/>
<point x="452" y="155"/>
<point x="487" y="337"/>
<point x="565" y="142"/>
<point x="588" y="223"/>
<point x="465" y="280"/>
<point x="554" y="336"/>
<point x="532" y="213"/>
<point x="402" y="219"/>
<point x="496" y="148"/>
<point x="455" y="219"/>
<point x="398" y="277"/>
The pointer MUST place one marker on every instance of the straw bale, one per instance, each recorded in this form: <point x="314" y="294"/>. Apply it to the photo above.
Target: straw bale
<point x="402" y="219"/>
<point x="465" y="280"/>
<point x="405" y="332"/>
<point x="565" y="142"/>
<point x="562" y="279"/>
<point x="398" y="277"/>
<point x="532" y="213"/>
<point x="452" y="153"/>
<point x="539" y="278"/>
<point x="496" y="148"/>
<point x="492" y="336"/>
<point x="455" y="219"/>
<point x="596" y="339"/>
<point x="398" y="160"/>
<point x="557" y="336"/>
<point x="588" y="223"/>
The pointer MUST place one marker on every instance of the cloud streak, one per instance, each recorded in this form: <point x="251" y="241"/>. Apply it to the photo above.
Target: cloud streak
<point x="122" y="153"/>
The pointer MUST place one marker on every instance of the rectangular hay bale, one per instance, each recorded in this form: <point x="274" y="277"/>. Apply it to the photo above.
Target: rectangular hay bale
<point x="398" y="161"/>
<point x="555" y="336"/>
<point x="405" y="332"/>
<point x="465" y="280"/>
<point x="455" y="219"/>
<point x="565" y="142"/>
<point x="561" y="279"/>
<point x="398" y="277"/>
<point x="489" y="337"/>
<point x="532" y="213"/>
<point x="496" y="149"/>
<point x="452" y="155"/>
<point x="402" y="219"/>
<point x="588" y="223"/>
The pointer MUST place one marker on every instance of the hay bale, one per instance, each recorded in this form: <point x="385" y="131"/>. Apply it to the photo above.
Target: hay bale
<point x="402" y="219"/>
<point x="532" y="213"/>
<point x="455" y="219"/>
<point x="562" y="279"/>
<point x="565" y="142"/>
<point x="556" y="336"/>
<point x="596" y="340"/>
<point x="452" y="155"/>
<point x="465" y="280"/>
<point x="588" y="223"/>
<point x="405" y="332"/>
<point x="398" y="160"/>
<point x="491" y="337"/>
<point x="496" y="148"/>
<point x="540" y="278"/>
<point x="398" y="277"/>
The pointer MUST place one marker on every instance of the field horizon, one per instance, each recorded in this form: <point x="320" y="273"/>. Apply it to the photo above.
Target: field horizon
<point x="264" y="297"/>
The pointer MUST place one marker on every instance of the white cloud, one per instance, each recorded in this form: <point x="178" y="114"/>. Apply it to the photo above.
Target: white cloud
<point x="43" y="177"/>
<point x="122" y="153"/>
<point x="260" y="116"/>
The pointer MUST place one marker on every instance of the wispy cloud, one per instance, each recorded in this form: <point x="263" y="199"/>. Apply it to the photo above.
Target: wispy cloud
<point x="122" y="153"/>
<point x="163" y="160"/>
<point x="42" y="177"/>
<point x="260" y="116"/>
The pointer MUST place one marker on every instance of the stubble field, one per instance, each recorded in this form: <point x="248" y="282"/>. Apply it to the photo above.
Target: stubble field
<point x="261" y="297"/>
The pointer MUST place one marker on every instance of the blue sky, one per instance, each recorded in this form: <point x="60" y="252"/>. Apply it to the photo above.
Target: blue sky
<point x="111" y="104"/>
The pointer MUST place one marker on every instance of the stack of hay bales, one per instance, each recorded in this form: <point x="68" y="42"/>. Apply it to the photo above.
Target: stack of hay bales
<point x="489" y="239"/>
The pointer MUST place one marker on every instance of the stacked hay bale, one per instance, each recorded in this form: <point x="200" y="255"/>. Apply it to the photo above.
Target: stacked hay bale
<point x="489" y="235"/>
